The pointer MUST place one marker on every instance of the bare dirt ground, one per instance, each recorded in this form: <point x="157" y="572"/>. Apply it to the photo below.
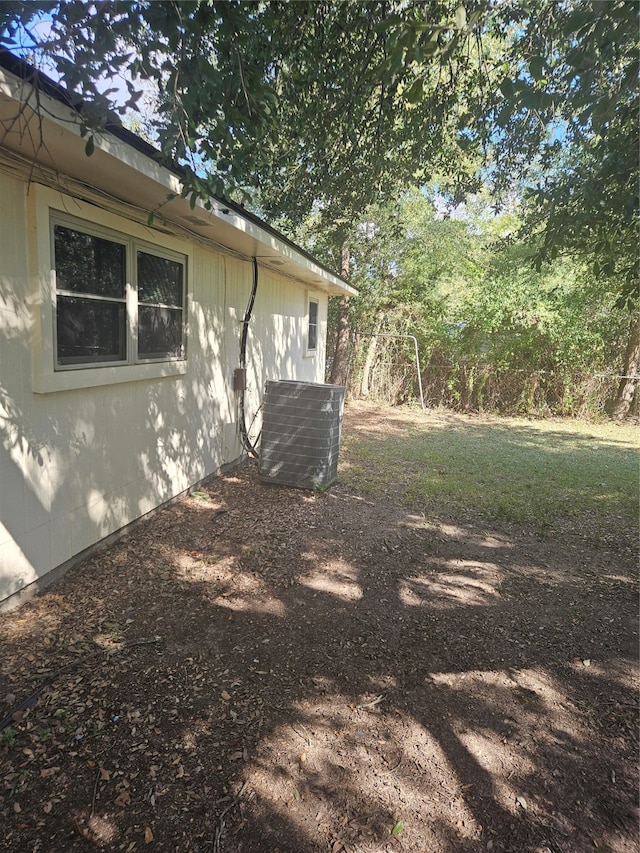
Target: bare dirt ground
<point x="264" y="670"/>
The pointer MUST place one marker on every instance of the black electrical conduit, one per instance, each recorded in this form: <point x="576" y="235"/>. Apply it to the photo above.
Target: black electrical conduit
<point x="244" y="433"/>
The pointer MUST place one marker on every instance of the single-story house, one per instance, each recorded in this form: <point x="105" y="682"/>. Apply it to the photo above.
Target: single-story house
<point x="120" y="334"/>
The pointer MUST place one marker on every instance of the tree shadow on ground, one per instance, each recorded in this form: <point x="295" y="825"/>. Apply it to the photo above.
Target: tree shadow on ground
<point x="329" y="669"/>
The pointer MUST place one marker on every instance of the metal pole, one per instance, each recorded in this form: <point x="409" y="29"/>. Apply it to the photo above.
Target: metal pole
<point x="415" y="344"/>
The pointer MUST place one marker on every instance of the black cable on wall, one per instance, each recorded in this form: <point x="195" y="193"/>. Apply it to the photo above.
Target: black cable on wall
<point x="244" y="434"/>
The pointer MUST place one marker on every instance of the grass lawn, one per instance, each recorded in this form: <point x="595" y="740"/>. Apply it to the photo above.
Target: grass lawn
<point x="553" y="475"/>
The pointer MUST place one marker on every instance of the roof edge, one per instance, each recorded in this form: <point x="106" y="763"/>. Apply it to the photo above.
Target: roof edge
<point x="23" y="70"/>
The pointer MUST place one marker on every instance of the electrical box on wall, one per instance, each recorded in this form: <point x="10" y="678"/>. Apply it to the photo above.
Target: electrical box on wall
<point x="301" y="427"/>
<point x="240" y="379"/>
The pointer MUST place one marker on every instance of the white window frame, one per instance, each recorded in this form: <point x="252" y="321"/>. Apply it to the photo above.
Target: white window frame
<point x="309" y="350"/>
<point x="46" y="207"/>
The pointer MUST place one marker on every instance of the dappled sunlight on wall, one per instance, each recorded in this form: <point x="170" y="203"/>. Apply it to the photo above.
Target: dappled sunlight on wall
<point x="281" y="330"/>
<point x="16" y="570"/>
<point x="78" y="465"/>
<point x="281" y="346"/>
<point x="86" y="451"/>
<point x="17" y="316"/>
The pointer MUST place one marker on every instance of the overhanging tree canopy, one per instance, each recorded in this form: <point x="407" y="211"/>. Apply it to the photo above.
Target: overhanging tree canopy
<point x="566" y="126"/>
<point x="295" y="96"/>
<point x="334" y="104"/>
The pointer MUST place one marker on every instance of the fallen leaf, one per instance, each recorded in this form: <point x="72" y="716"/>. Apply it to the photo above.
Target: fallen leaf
<point x="397" y="828"/>
<point x="46" y="772"/>
<point x="104" y="774"/>
<point x="16" y="808"/>
<point x="148" y="835"/>
<point x="296" y="794"/>
<point x="225" y="696"/>
<point x="123" y="799"/>
<point x="521" y="801"/>
<point x="47" y="807"/>
<point x="180" y="772"/>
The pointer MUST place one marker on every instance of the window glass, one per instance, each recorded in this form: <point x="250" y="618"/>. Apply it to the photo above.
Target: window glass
<point x="160" y="294"/>
<point x="159" y="332"/>
<point x="93" y="323"/>
<point x="90" y="330"/>
<point x="312" y="339"/>
<point x="159" y="280"/>
<point x="89" y="264"/>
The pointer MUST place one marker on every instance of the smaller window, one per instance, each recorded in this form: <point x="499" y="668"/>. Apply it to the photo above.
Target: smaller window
<point x="312" y="328"/>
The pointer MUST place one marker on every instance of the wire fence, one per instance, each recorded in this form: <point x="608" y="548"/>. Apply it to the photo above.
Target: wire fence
<point x="493" y="389"/>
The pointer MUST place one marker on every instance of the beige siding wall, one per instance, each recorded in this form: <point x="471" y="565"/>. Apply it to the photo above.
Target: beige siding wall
<point x="77" y="465"/>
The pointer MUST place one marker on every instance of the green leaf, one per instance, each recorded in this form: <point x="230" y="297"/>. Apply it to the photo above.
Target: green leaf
<point x="536" y="67"/>
<point x="506" y="87"/>
<point x="461" y="17"/>
<point x="415" y="92"/>
<point x="397" y="828"/>
<point x="431" y="48"/>
<point x="531" y="99"/>
<point x="504" y="115"/>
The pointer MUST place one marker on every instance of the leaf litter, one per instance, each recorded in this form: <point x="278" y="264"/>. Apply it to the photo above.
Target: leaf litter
<point x="256" y="669"/>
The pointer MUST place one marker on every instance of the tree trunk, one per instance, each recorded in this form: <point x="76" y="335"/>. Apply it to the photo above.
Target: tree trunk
<point x="370" y="357"/>
<point x="627" y="387"/>
<point x="340" y="365"/>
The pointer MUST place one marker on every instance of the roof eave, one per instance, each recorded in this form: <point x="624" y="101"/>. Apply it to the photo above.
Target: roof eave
<point x="48" y="131"/>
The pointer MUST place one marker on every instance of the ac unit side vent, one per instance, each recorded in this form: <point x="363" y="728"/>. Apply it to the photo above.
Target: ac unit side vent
<point x="301" y="425"/>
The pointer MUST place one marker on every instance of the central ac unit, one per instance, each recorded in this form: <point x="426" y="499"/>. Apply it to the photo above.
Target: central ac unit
<point x="301" y="427"/>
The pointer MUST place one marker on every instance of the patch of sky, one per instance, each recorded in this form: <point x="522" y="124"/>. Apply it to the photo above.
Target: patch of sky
<point x="30" y="43"/>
